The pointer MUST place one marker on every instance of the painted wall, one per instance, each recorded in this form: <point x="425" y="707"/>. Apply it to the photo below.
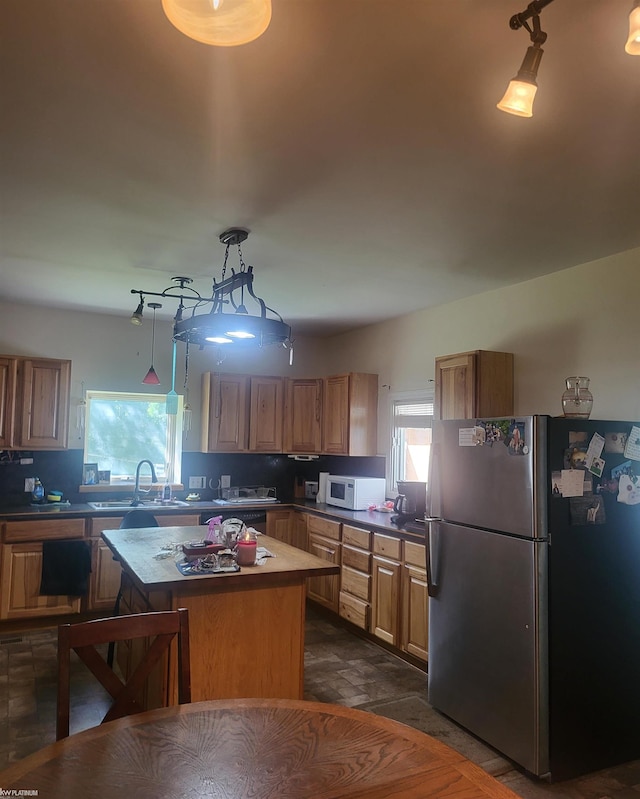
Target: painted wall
<point x="583" y="320"/>
<point x="110" y="354"/>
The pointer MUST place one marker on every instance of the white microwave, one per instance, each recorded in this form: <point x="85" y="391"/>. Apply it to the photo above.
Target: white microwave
<point x="355" y="493"/>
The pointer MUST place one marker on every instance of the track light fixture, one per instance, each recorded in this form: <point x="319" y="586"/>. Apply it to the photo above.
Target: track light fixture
<point x="136" y="316"/>
<point x="633" y="42"/>
<point x="228" y="322"/>
<point x="520" y="94"/>
<point x="518" y="99"/>
<point x="151" y="378"/>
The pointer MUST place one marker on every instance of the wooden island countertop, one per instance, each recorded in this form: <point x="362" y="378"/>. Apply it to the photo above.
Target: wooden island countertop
<point x="246" y="628"/>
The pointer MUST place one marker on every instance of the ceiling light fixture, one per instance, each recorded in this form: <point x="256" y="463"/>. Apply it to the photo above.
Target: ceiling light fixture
<point x="518" y="99"/>
<point x="633" y="42"/>
<point x="228" y="322"/>
<point x="136" y="316"/>
<point x="151" y="378"/>
<point x="224" y="23"/>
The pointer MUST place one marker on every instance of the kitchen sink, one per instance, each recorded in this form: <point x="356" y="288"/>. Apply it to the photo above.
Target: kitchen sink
<point x="119" y="504"/>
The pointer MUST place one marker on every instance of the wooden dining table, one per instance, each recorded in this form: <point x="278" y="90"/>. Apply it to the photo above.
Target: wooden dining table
<point x="251" y="749"/>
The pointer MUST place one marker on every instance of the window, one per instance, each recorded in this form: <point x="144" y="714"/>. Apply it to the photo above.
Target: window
<point x="122" y="429"/>
<point x="411" y="418"/>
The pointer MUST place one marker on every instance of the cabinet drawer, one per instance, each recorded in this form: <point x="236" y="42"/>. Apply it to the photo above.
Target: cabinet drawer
<point x="356" y="583"/>
<point x="354" y="610"/>
<point x="356" y="536"/>
<point x="415" y="554"/>
<point x="325" y="527"/>
<point x="357" y="559"/>
<point x="387" y="546"/>
<point x="44" y="530"/>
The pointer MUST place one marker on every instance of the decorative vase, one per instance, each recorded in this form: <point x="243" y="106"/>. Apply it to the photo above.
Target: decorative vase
<point x="577" y="400"/>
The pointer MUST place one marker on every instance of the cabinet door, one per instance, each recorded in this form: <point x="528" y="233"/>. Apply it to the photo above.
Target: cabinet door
<point x="473" y="384"/>
<point x="325" y="589"/>
<point x="225" y="412"/>
<point x="299" y="532"/>
<point x="8" y="372"/>
<point x="385" y="601"/>
<point x="279" y="525"/>
<point x="455" y="386"/>
<point x="265" y="420"/>
<point x="20" y="584"/>
<point x="302" y="415"/>
<point x="44" y="403"/>
<point x="415" y="624"/>
<point x="105" y="577"/>
<point x="335" y="420"/>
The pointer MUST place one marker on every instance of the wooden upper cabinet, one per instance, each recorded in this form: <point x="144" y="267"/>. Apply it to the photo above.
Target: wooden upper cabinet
<point x="350" y="414"/>
<point x="8" y="374"/>
<point x="474" y="384"/>
<point x="225" y="412"/>
<point x="265" y="419"/>
<point x="45" y="403"/>
<point x="241" y="413"/>
<point x="34" y="403"/>
<point x="302" y="415"/>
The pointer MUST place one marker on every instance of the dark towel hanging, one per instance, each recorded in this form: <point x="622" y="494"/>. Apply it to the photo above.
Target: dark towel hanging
<point x="66" y="566"/>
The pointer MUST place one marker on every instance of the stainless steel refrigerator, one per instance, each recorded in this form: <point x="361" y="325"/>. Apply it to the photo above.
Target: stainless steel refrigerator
<point x="534" y="588"/>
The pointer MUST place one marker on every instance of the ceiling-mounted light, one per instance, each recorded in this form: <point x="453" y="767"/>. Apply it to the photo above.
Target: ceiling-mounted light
<point x="521" y="91"/>
<point x="237" y="316"/>
<point x="151" y="378"/>
<point x="633" y="42"/>
<point x="136" y="316"/>
<point x="225" y="23"/>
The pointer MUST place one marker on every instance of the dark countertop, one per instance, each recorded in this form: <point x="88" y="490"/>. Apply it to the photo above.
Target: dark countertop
<point x="359" y="518"/>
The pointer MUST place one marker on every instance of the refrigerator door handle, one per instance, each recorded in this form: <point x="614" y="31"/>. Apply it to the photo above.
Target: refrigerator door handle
<point x="432" y="586"/>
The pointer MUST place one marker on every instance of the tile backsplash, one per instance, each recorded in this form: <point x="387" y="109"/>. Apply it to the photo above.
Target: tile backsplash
<point x="62" y="471"/>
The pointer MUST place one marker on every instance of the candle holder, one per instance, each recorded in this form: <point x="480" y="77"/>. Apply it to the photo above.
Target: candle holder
<point x="246" y="548"/>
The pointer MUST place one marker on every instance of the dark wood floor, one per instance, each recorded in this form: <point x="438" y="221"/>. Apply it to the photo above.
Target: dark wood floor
<point x="340" y="668"/>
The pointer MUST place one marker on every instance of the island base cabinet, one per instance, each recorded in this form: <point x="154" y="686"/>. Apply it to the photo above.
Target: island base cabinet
<point x="20" y="585"/>
<point x="246" y="643"/>
<point x="155" y="692"/>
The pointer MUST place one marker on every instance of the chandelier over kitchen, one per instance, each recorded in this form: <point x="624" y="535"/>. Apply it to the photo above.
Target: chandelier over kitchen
<point x="236" y="317"/>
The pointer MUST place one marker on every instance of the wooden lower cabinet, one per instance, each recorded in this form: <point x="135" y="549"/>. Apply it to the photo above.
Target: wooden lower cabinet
<point x="20" y="585"/>
<point x="279" y="525"/>
<point x="385" y="602"/>
<point x="105" y="577"/>
<point x="415" y="611"/>
<point x="326" y="589"/>
<point x="355" y="576"/>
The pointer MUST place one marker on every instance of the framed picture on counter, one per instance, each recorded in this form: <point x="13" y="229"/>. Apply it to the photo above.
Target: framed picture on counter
<point x="90" y="474"/>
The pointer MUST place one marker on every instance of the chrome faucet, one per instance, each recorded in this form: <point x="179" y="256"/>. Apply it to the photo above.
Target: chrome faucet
<point x="137" y="490"/>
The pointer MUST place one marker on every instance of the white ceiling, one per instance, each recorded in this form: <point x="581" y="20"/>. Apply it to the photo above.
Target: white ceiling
<point x="357" y="140"/>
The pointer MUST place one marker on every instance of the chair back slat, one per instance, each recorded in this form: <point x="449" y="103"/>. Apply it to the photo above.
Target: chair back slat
<point x="163" y="627"/>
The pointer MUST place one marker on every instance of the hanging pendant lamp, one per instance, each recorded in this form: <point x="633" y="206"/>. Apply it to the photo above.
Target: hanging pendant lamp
<point x="151" y="378"/>
<point x="225" y="23"/>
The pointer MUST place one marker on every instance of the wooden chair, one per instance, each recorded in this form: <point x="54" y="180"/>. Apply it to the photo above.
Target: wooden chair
<point x="85" y="636"/>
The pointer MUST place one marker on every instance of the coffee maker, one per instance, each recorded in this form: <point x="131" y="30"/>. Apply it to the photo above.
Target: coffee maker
<point x="411" y="502"/>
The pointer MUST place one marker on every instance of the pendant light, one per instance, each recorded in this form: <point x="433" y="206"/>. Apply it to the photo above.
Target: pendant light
<point x="633" y="42"/>
<point x="224" y="23"/>
<point x="151" y="378"/>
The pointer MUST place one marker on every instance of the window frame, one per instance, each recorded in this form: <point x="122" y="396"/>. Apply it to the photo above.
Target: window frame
<point x="173" y="443"/>
<point x="425" y="396"/>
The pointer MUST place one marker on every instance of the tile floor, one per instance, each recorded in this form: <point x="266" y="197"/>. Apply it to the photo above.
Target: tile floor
<point x="339" y="668"/>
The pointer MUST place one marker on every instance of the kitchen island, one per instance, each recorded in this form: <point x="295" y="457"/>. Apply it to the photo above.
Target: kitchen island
<point x="246" y="628"/>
